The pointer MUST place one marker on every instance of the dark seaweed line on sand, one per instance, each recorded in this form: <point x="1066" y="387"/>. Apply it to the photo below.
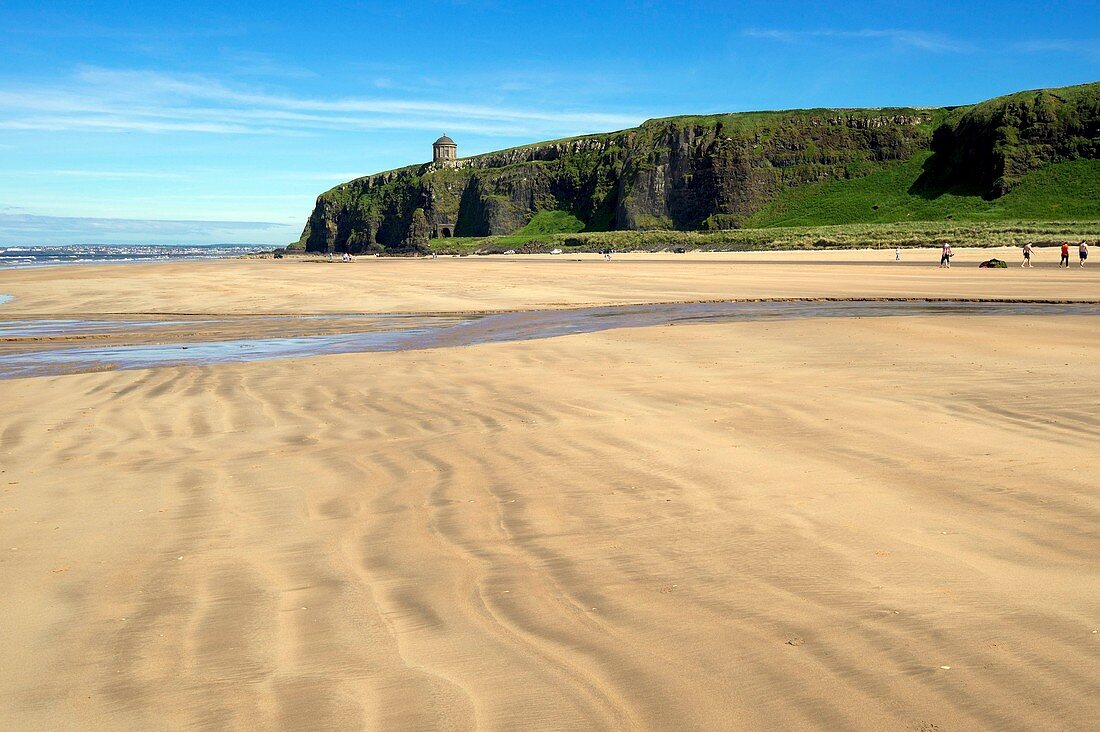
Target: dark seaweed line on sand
<point x="581" y="306"/>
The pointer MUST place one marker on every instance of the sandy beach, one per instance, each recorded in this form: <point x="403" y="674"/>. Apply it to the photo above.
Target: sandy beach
<point x="453" y="284"/>
<point x="852" y="523"/>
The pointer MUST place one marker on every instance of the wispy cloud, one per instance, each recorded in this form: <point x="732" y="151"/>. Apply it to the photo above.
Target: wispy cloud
<point x="914" y="39"/>
<point x="255" y="63"/>
<point x="148" y="101"/>
<point x="120" y="123"/>
<point x="1088" y="48"/>
<point x="98" y="174"/>
<point x="63" y="27"/>
<point x="195" y="174"/>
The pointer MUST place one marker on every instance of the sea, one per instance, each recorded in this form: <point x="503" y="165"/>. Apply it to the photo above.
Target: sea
<point x="40" y="256"/>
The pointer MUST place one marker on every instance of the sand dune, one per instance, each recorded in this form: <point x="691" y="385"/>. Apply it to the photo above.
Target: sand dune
<point x="852" y="524"/>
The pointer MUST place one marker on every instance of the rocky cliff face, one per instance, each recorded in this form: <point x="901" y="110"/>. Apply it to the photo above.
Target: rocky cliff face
<point x="496" y="193"/>
<point x="708" y="172"/>
<point x="712" y="172"/>
<point x="990" y="147"/>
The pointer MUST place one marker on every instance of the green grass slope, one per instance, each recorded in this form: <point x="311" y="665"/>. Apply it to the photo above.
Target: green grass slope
<point x="1058" y="192"/>
<point x="552" y="222"/>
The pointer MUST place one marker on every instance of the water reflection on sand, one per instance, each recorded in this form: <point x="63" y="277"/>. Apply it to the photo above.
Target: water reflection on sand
<point x="35" y="346"/>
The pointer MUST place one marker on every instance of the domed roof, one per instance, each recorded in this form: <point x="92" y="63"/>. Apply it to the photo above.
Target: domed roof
<point x="444" y="141"/>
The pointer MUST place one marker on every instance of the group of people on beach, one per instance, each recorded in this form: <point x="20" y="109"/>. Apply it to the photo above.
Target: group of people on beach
<point x="1082" y="254"/>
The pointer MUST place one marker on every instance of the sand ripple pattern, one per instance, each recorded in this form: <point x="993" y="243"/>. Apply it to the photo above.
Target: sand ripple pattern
<point x="887" y="524"/>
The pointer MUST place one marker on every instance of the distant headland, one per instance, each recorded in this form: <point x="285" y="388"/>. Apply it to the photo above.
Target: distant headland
<point x="1029" y="156"/>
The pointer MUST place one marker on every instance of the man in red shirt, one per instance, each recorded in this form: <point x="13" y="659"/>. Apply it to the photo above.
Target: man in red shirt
<point x="1065" y="255"/>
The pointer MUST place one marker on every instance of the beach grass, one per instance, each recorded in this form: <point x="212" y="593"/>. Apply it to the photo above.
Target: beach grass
<point x="872" y="235"/>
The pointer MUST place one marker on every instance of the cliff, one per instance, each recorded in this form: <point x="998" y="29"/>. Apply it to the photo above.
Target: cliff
<point x="989" y="148"/>
<point x="706" y="172"/>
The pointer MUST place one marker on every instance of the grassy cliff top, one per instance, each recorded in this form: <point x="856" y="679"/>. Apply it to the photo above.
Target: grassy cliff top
<point x="752" y="121"/>
<point x="1078" y="94"/>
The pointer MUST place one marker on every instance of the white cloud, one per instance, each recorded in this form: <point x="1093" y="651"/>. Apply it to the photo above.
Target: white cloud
<point x="154" y="102"/>
<point x="99" y="174"/>
<point x="1087" y="48"/>
<point x="920" y="40"/>
<point x="118" y="123"/>
<point x="254" y="63"/>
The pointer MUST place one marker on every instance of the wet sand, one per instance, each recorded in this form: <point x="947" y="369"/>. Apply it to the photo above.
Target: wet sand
<point x="31" y="348"/>
<point x="479" y="284"/>
<point x="853" y="523"/>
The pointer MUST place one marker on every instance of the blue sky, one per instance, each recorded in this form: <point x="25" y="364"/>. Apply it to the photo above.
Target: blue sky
<point x="240" y="113"/>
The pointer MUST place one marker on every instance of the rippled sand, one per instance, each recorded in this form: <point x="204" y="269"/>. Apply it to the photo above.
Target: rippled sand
<point x="888" y="523"/>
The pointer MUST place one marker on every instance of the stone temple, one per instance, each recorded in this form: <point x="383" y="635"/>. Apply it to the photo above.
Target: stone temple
<point x="444" y="150"/>
<point x="445" y="154"/>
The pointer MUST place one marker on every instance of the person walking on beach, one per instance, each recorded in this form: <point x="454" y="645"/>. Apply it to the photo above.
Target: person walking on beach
<point x="1083" y="252"/>
<point x="1027" y="255"/>
<point x="945" y="255"/>
<point x="897" y="254"/>
<point x="1065" y="255"/>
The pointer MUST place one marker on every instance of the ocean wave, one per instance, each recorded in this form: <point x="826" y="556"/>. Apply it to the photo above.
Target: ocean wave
<point x="44" y="255"/>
